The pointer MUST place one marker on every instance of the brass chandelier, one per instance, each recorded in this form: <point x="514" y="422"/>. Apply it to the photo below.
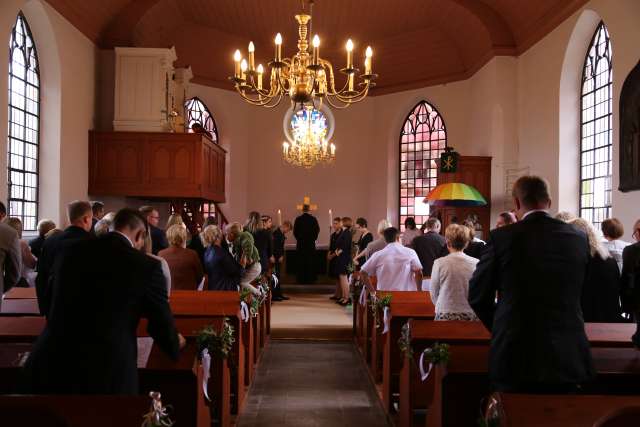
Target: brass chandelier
<point x="308" y="133"/>
<point x="305" y="77"/>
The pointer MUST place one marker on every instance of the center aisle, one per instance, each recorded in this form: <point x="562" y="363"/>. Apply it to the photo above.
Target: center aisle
<point x="311" y="383"/>
<point x="314" y="382"/>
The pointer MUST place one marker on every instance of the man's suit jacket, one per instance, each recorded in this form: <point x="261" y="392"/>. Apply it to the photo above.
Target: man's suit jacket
<point x="158" y="239"/>
<point x="51" y="249"/>
<point x="630" y="278"/>
<point x="10" y="259"/>
<point x="102" y="288"/>
<point x="429" y="247"/>
<point x="537" y="266"/>
<point x="306" y="230"/>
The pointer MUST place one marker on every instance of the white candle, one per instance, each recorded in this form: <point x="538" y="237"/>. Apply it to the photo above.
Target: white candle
<point x="330" y="218"/>
<point x="279" y="217"/>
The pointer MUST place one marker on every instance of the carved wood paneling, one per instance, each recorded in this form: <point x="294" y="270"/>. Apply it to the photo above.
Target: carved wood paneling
<point x="163" y="165"/>
<point x="474" y="171"/>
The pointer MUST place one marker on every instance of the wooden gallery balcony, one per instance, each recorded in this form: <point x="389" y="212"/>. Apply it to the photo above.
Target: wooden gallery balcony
<point x="156" y="165"/>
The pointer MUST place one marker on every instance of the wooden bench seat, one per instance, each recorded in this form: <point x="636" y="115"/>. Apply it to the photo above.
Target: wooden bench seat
<point x="453" y="392"/>
<point x="528" y="410"/>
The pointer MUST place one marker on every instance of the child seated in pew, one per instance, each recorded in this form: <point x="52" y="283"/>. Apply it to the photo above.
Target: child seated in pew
<point x="450" y="277"/>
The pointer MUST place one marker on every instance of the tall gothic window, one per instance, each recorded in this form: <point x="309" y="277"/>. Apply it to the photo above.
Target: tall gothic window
<point x="422" y="139"/>
<point x="24" y="125"/>
<point x="596" y="130"/>
<point x="197" y="112"/>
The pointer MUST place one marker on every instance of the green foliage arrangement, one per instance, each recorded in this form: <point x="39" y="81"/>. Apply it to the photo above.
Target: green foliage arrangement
<point x="219" y="343"/>
<point x="437" y="354"/>
<point x="378" y="304"/>
<point x="404" y="342"/>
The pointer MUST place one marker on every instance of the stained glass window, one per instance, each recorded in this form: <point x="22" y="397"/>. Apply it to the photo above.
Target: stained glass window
<point x="197" y="112"/>
<point x="422" y="139"/>
<point x="596" y="130"/>
<point x="24" y="125"/>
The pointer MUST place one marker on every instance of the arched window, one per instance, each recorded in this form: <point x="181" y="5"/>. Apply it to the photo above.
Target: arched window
<point x="24" y="125"/>
<point x="197" y="112"/>
<point x="422" y="139"/>
<point x="596" y="130"/>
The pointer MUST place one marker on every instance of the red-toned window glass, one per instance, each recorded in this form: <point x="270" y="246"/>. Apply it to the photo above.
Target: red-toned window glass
<point x="422" y="139"/>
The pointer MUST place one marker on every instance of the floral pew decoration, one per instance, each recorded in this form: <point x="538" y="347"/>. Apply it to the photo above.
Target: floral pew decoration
<point x="213" y="342"/>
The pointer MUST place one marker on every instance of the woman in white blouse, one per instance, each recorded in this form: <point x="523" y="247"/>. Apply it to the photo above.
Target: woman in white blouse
<point x="450" y="277"/>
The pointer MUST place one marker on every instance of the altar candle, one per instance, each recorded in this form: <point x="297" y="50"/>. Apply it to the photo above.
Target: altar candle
<point x="279" y="217"/>
<point x="330" y="218"/>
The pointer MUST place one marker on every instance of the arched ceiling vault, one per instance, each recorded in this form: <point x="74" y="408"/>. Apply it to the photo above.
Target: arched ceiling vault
<point x="416" y="42"/>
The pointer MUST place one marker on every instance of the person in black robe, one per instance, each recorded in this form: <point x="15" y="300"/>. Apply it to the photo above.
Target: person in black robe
<point x="306" y="230"/>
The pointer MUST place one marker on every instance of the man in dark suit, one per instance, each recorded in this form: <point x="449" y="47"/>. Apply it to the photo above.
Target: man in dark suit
<point x="102" y="288"/>
<point x="158" y="236"/>
<point x="306" y="230"/>
<point x="630" y="281"/>
<point x="430" y="246"/>
<point x="98" y="213"/>
<point x="79" y="214"/>
<point x="537" y="267"/>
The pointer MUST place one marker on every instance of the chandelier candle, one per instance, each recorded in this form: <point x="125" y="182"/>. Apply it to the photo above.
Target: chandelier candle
<point x="260" y="72"/>
<point x="367" y="60"/>
<point x="278" y="57"/>
<point x="237" y="57"/>
<point x="349" y="54"/>
<point x="316" y="50"/>
<point x="243" y="68"/>
<point x="252" y="60"/>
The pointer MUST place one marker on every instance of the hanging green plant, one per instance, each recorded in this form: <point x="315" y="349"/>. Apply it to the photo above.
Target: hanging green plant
<point x="219" y="343"/>
<point x="404" y="342"/>
<point x="378" y="305"/>
<point x="437" y="354"/>
<point x="252" y="301"/>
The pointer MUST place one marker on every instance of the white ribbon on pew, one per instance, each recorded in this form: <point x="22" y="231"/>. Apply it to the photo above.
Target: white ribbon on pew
<point x="363" y="296"/>
<point x="385" y="320"/>
<point x="244" y="311"/>
<point x="275" y="281"/>
<point x="206" y="372"/>
<point x="424" y="375"/>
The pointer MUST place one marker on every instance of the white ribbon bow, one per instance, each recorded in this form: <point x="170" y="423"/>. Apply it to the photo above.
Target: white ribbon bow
<point x="275" y="281"/>
<point x="206" y="372"/>
<point x="363" y="296"/>
<point x="424" y="375"/>
<point x="244" y="311"/>
<point x="385" y="319"/>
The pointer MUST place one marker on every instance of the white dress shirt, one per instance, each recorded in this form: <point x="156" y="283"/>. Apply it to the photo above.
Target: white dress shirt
<point x="615" y="248"/>
<point x="394" y="268"/>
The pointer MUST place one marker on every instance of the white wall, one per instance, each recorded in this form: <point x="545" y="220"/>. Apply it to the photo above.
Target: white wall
<point x="548" y="100"/>
<point x="67" y="65"/>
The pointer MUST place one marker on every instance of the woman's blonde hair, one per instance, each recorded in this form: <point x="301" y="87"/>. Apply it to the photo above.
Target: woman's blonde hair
<point x="457" y="236"/>
<point x="383" y="225"/>
<point x="210" y="234"/>
<point x="254" y="222"/>
<point x="16" y="224"/>
<point x="595" y="247"/>
<point x="175" y="219"/>
<point x="177" y="235"/>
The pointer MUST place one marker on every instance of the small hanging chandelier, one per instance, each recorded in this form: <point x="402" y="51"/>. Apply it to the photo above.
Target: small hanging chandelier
<point x="305" y="78"/>
<point x="308" y="133"/>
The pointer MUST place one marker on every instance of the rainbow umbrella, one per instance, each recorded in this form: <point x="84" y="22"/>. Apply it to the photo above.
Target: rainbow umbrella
<point x="454" y="194"/>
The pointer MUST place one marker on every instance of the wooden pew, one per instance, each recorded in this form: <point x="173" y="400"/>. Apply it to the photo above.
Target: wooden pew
<point x="75" y="411"/>
<point x="206" y="306"/>
<point x="452" y="392"/>
<point x="180" y="382"/>
<point x="20" y="307"/>
<point x="527" y="410"/>
<point x="387" y="361"/>
<point x="20" y="293"/>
